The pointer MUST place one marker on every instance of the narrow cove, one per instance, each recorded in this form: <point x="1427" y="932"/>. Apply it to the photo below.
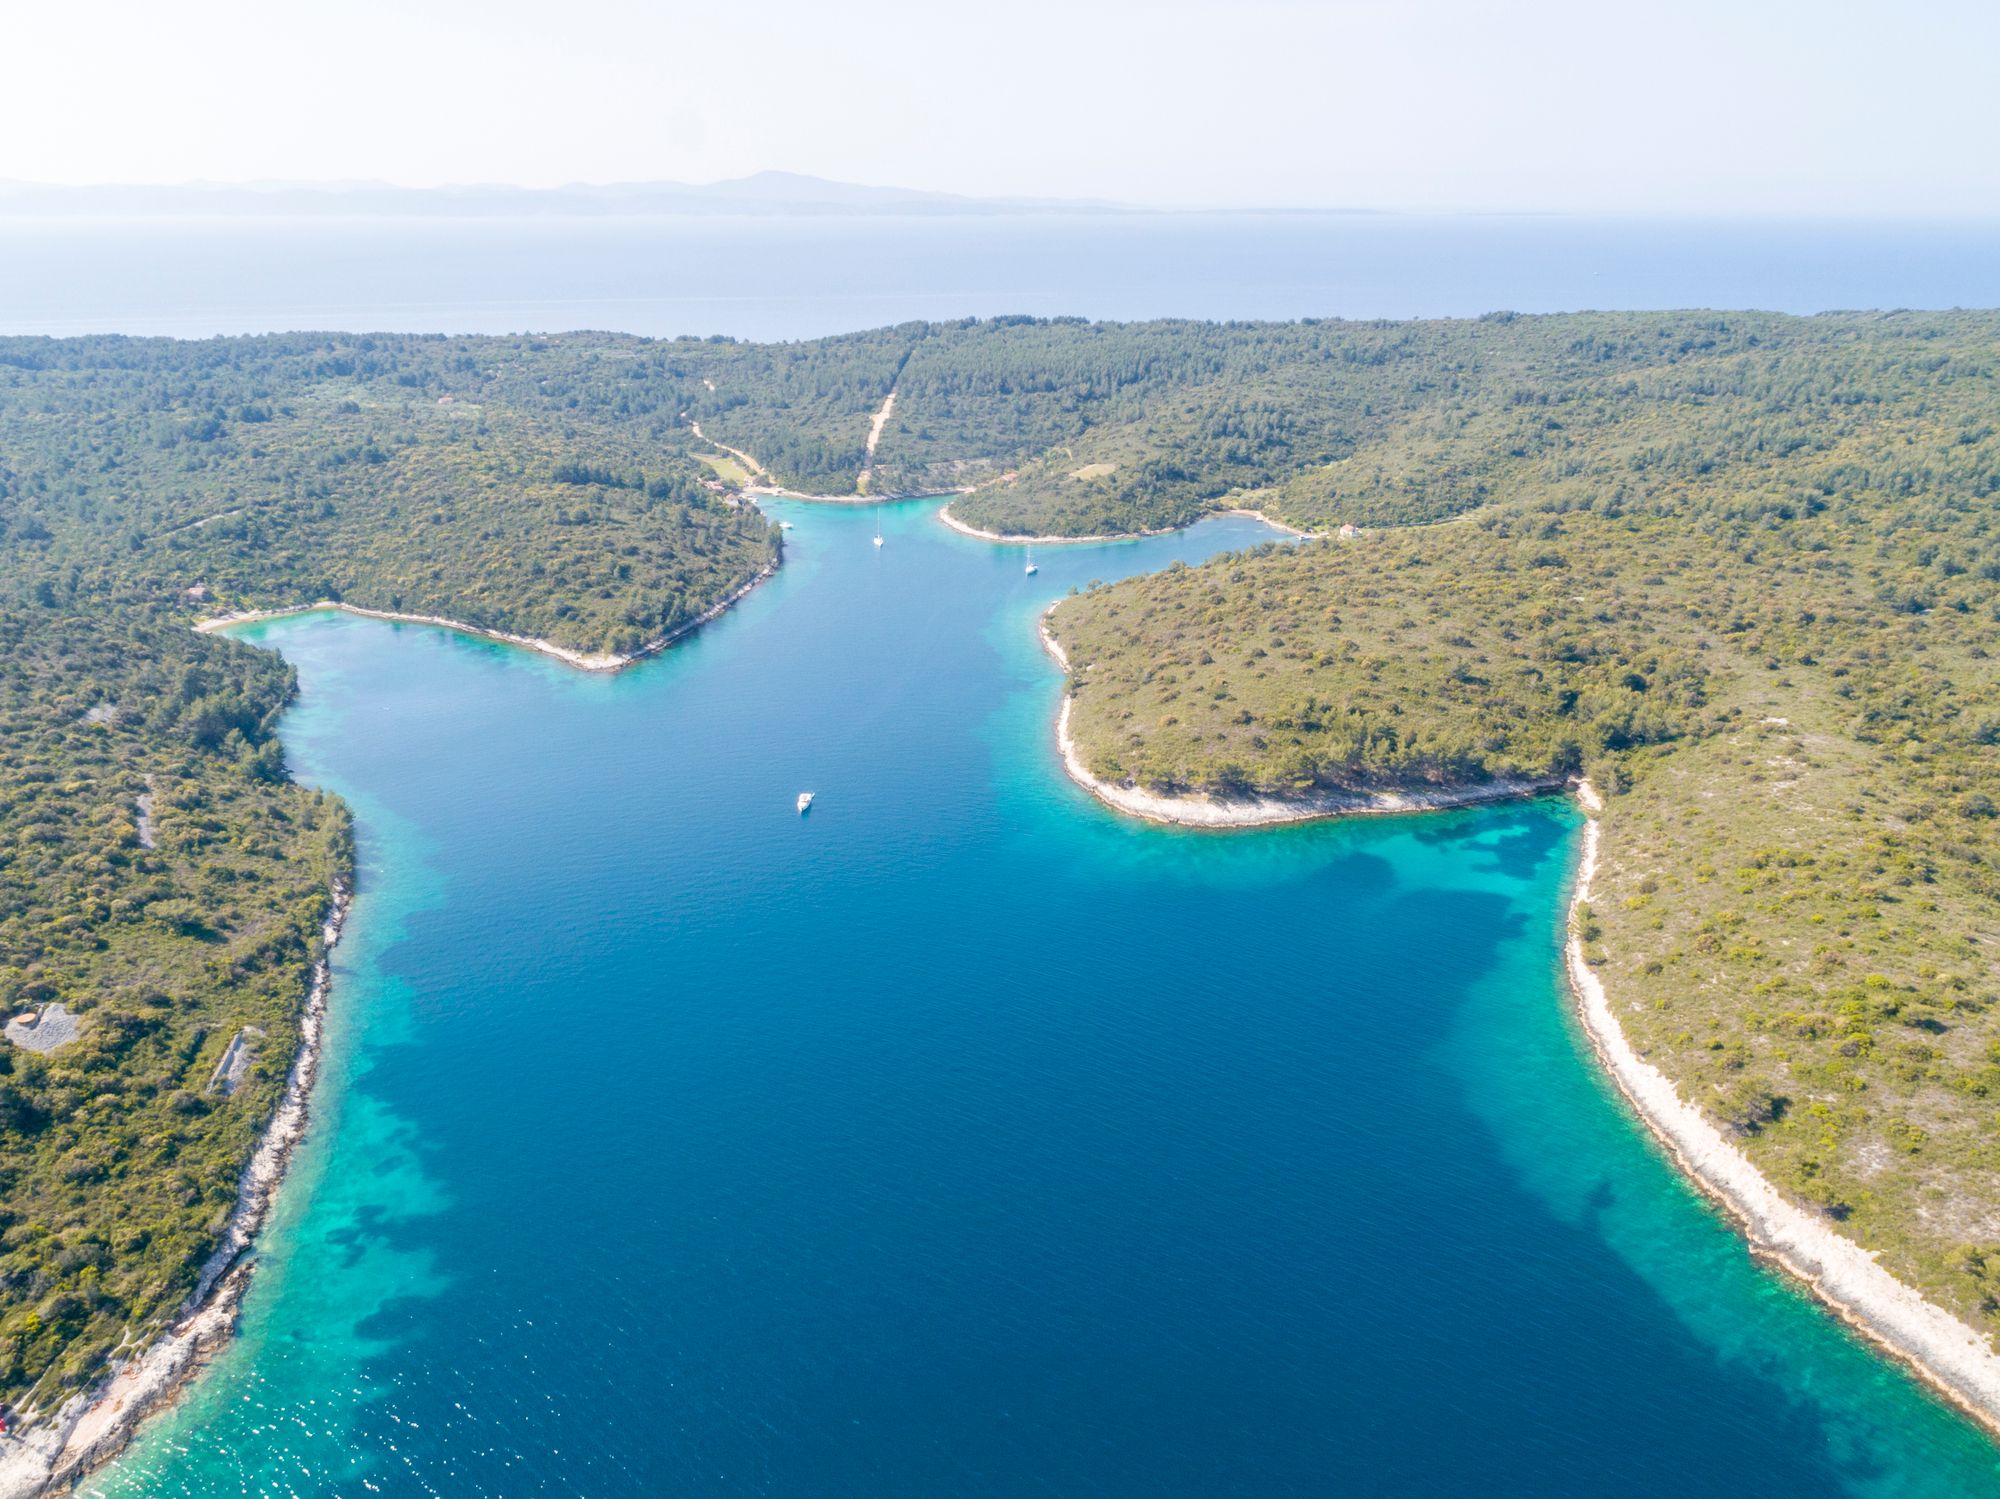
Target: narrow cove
<point x="960" y="1137"/>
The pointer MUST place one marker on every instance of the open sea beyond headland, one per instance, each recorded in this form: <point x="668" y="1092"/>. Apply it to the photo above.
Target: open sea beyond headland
<point x="773" y="278"/>
<point x="960" y="1137"/>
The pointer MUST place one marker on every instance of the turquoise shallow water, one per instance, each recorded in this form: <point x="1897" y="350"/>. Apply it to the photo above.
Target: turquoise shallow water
<point x="960" y="1137"/>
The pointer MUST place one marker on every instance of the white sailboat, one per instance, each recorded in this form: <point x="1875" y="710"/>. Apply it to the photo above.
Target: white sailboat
<point x="878" y="527"/>
<point x="1030" y="568"/>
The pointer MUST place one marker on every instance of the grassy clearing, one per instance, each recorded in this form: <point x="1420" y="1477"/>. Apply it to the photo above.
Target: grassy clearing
<point x="726" y="468"/>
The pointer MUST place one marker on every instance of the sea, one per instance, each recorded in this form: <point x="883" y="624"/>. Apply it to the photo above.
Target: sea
<point x="960" y="1136"/>
<point x="790" y="278"/>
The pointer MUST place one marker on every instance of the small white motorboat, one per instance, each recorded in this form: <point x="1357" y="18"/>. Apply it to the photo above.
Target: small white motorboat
<point x="805" y="801"/>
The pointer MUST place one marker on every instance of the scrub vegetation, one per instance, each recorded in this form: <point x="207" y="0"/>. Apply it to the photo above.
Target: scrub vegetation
<point x="1740" y="569"/>
<point x="167" y="881"/>
<point x="542" y="487"/>
<point x="163" y="877"/>
<point x="1754" y="594"/>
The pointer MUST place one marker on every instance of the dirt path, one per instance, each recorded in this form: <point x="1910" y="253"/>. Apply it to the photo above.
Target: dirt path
<point x="874" y="437"/>
<point x="750" y="464"/>
<point x="206" y="520"/>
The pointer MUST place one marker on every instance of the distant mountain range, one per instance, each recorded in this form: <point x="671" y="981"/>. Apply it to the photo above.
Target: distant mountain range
<point x="772" y="193"/>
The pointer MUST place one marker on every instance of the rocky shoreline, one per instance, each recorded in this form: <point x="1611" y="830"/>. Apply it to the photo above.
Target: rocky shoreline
<point x="51" y="1455"/>
<point x="965" y="529"/>
<point x="945" y="515"/>
<point x="582" y="660"/>
<point x="771" y="492"/>
<point x="1260" y="810"/>
<point x="1953" y="1358"/>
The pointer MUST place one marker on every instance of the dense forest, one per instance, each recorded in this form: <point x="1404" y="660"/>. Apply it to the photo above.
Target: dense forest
<point x="1741" y="569"/>
<point x="541" y="486"/>
<point x="1062" y="427"/>
<point x="802" y="410"/>
<point x="1380" y="423"/>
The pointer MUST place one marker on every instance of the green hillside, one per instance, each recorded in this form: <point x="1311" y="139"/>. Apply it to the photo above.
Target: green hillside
<point x="1755" y="595"/>
<point x="1743" y="570"/>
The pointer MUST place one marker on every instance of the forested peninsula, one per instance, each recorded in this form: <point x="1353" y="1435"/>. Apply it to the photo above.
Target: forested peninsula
<point x="167" y="884"/>
<point x="1741" y="572"/>
<point x="1739" y="569"/>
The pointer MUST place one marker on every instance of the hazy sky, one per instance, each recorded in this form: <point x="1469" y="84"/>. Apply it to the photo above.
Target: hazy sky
<point x="1629" y="105"/>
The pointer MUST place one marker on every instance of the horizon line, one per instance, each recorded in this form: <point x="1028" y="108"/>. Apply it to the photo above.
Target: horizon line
<point x="766" y="185"/>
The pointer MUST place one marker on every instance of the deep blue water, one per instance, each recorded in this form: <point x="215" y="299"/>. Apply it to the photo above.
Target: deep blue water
<point x="960" y="1137"/>
<point x="801" y="278"/>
